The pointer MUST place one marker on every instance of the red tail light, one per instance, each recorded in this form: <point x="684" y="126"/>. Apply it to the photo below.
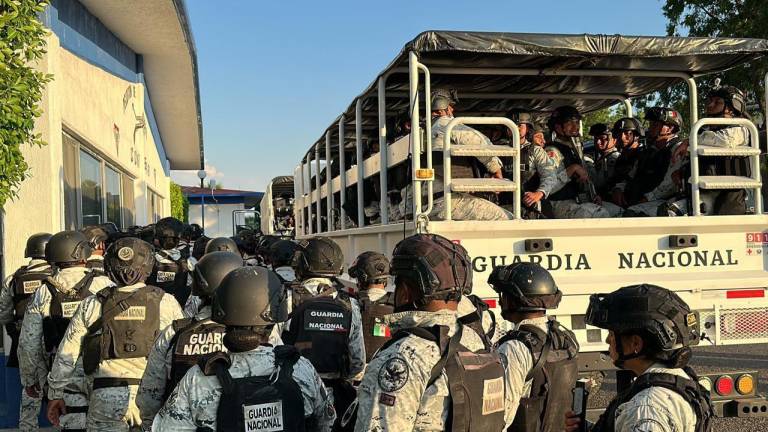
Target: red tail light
<point x="724" y="385"/>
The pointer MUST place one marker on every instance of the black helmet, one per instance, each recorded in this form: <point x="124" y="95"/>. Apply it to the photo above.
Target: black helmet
<point x="129" y="261"/>
<point x="666" y="321"/>
<point x="210" y="271"/>
<point x="66" y="247"/>
<point x="36" y="245"/>
<point x="563" y="114"/>
<point x="370" y="267"/>
<point x="222" y="244"/>
<point x="281" y="253"/>
<point x="734" y="98"/>
<point x="521" y="117"/>
<point x="598" y="129"/>
<point x="318" y="256"/>
<point x="440" y="268"/>
<point x="530" y="285"/>
<point x="168" y="232"/>
<point x="95" y="234"/>
<point x="627" y="124"/>
<point x="250" y="296"/>
<point x="666" y="116"/>
<point x="193" y="231"/>
<point x="248" y="240"/>
<point x="198" y="250"/>
<point x="264" y="245"/>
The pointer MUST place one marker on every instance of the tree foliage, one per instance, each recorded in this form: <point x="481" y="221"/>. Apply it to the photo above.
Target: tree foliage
<point x="179" y="203"/>
<point x="720" y="18"/>
<point x="22" y="42"/>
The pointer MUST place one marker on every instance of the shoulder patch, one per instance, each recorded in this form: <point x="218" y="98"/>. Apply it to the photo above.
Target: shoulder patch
<point x="393" y="374"/>
<point x="648" y="425"/>
<point x="387" y="399"/>
<point x="552" y="154"/>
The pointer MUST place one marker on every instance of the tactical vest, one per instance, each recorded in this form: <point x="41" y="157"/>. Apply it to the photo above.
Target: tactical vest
<point x="690" y="389"/>
<point x="375" y="331"/>
<point x="461" y="166"/>
<point x="192" y="341"/>
<point x="529" y="176"/>
<point x="24" y="283"/>
<point x="171" y="277"/>
<point x="475" y="380"/>
<point x="652" y="166"/>
<point x="320" y="329"/>
<point x="553" y="377"/>
<point x="96" y="266"/>
<point x="127" y="328"/>
<point x="474" y="320"/>
<point x="571" y="189"/>
<point x="61" y="310"/>
<point x="259" y="403"/>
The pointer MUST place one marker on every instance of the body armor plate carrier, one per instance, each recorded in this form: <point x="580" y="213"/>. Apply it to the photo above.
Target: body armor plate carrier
<point x="192" y="341"/>
<point x="171" y="277"/>
<point x="375" y="331"/>
<point x="689" y="389"/>
<point x="475" y="380"/>
<point x="320" y="329"/>
<point x="570" y="157"/>
<point x="259" y="403"/>
<point x="552" y="377"/>
<point x="24" y="283"/>
<point x="127" y="328"/>
<point x="60" y="312"/>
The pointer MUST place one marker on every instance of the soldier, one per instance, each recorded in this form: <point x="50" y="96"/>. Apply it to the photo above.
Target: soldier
<point x="113" y="331"/>
<point x="606" y="154"/>
<point x="464" y="206"/>
<point x="326" y="324"/>
<point x="281" y="256"/>
<point x="627" y="132"/>
<point x="406" y="385"/>
<point x="171" y="271"/>
<point x="574" y="196"/>
<point x="651" y="331"/>
<point x="16" y="293"/>
<point x="181" y="344"/>
<point x="254" y="386"/>
<point x="371" y="270"/>
<point x="47" y="316"/>
<point x="537" y="172"/>
<point x="539" y="137"/>
<point x="97" y="237"/>
<point x="539" y="354"/>
<point x="651" y="184"/>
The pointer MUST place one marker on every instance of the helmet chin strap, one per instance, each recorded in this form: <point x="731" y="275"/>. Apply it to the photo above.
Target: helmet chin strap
<point x="619" y="362"/>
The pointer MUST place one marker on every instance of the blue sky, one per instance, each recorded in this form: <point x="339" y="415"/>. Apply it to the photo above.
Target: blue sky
<point x="273" y="75"/>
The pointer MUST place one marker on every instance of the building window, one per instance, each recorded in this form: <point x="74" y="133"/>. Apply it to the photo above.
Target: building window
<point x="95" y="192"/>
<point x="154" y="206"/>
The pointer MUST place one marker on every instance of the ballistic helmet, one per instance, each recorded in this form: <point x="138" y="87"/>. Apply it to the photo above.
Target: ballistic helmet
<point x="250" y="297"/>
<point x="67" y="247"/>
<point x="627" y="124"/>
<point x="221" y="244"/>
<point x="129" y="261"/>
<point x="369" y="268"/>
<point x="281" y="253"/>
<point x="530" y="285"/>
<point x="442" y="98"/>
<point x="665" y="115"/>
<point x="734" y="98"/>
<point x="36" y="245"/>
<point x="210" y="271"/>
<point x="318" y="256"/>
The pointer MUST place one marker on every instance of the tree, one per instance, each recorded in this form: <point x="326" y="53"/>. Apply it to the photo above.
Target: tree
<point x="721" y="18"/>
<point x="22" y="42"/>
<point x="179" y="203"/>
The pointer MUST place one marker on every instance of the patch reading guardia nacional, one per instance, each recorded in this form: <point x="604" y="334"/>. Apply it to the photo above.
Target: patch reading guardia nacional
<point x="165" y="276"/>
<point x="267" y="417"/>
<point x="493" y="395"/>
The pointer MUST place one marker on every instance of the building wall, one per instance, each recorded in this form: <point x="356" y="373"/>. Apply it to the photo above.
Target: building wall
<point x="100" y="110"/>
<point x="218" y="217"/>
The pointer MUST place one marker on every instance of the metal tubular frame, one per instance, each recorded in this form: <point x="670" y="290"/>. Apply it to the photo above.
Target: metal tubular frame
<point x="300" y="196"/>
<point x="448" y="180"/>
<point x="428" y="140"/>
<point x="694" y="147"/>
<point x="310" y="222"/>
<point x="343" y="176"/>
<point x="383" y="151"/>
<point x="319" y="208"/>
<point x="328" y="183"/>
<point x="360" y="164"/>
<point x="413" y="104"/>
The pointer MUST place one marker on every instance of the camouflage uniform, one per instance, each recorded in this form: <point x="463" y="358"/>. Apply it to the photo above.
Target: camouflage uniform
<point x="466" y="307"/>
<point x="34" y="361"/>
<point x="570" y="208"/>
<point x="402" y="402"/>
<point x="112" y="408"/>
<point x="149" y="398"/>
<point x="601" y="170"/>
<point x="517" y="361"/>
<point x="195" y="401"/>
<point x="29" y="408"/>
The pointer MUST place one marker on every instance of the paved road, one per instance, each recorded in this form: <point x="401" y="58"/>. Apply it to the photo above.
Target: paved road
<point x="716" y="359"/>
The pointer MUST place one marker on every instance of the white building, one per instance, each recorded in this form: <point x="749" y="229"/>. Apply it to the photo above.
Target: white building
<point x="122" y="110"/>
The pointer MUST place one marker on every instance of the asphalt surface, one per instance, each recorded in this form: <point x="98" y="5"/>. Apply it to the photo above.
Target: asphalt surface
<point x="712" y="360"/>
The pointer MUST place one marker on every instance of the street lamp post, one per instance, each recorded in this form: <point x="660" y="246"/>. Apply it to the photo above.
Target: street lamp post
<point x="201" y="176"/>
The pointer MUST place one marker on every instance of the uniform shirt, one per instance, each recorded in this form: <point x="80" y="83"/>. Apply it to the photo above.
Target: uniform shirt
<point x="518" y="362"/>
<point x="463" y="135"/>
<point x="195" y="401"/>
<point x="373" y="295"/>
<point x="730" y="137"/>
<point x="6" y="292"/>
<point x="561" y="170"/>
<point x="538" y="163"/>
<point x="356" y="341"/>
<point x="602" y="169"/>
<point x="69" y="350"/>
<point x="33" y="362"/>
<point x="286" y="273"/>
<point x="667" y="188"/>
<point x="393" y="395"/>
<point x="656" y="409"/>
